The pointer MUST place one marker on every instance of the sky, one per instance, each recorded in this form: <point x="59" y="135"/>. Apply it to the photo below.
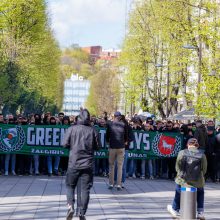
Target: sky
<point x="88" y="22"/>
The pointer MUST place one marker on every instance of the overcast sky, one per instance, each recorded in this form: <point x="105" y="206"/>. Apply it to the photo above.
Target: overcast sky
<point x="88" y="22"/>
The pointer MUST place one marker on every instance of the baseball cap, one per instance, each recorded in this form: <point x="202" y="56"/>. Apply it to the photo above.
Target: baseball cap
<point x="193" y="141"/>
<point x="117" y="114"/>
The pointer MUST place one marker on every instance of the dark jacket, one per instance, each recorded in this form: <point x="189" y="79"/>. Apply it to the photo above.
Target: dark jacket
<point x="201" y="136"/>
<point x="82" y="139"/>
<point x="117" y="134"/>
<point x="200" y="182"/>
<point x="211" y="146"/>
<point x="130" y="137"/>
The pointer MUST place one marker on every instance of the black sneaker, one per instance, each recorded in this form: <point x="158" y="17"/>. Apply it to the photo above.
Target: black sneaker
<point x="56" y="173"/>
<point x="119" y="188"/>
<point x="82" y="217"/>
<point x="110" y="187"/>
<point x="70" y="214"/>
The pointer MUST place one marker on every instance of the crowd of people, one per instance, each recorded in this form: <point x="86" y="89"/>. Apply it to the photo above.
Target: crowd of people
<point x="206" y="134"/>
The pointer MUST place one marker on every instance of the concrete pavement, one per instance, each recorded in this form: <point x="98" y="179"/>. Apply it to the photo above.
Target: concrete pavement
<point x="44" y="197"/>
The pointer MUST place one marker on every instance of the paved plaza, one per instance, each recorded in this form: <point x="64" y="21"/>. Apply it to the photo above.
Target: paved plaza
<point x="44" y="197"/>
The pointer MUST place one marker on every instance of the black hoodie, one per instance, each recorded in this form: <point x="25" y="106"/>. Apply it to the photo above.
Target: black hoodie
<point x="82" y="139"/>
<point x="201" y="136"/>
<point x="37" y="118"/>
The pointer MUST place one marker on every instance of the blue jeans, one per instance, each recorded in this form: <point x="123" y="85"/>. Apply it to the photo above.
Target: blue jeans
<point x="124" y="168"/>
<point x="13" y="161"/>
<point x="132" y="167"/>
<point x="56" y="163"/>
<point x="96" y="167"/>
<point x="200" y="199"/>
<point x="100" y="166"/>
<point x="151" y="167"/>
<point x="143" y="167"/>
<point x="36" y="164"/>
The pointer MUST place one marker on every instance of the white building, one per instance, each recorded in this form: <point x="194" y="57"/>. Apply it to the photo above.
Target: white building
<point x="76" y="91"/>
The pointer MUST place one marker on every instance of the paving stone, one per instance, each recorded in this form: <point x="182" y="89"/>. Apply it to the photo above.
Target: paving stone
<point x="42" y="197"/>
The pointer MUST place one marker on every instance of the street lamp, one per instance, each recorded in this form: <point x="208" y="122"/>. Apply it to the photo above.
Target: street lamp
<point x="199" y="49"/>
<point x="158" y="65"/>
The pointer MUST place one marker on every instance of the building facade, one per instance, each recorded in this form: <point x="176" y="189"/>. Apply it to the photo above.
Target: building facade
<point x="76" y="91"/>
<point x="94" y="53"/>
<point x="97" y="53"/>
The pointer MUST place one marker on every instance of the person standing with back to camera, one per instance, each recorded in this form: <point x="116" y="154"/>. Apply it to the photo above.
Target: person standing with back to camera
<point x="82" y="140"/>
<point x="191" y="166"/>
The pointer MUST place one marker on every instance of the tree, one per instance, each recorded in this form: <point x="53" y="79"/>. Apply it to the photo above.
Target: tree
<point x="30" y="57"/>
<point x="104" y="90"/>
<point x="75" y="60"/>
<point x="159" y="68"/>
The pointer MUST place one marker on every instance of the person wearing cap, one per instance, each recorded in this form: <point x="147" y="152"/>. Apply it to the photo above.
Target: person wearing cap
<point x="199" y="182"/>
<point x="117" y="137"/>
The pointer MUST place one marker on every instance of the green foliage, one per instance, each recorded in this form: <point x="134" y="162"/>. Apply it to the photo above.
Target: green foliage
<point x="75" y="60"/>
<point x="104" y="90"/>
<point x="30" y="58"/>
<point x="157" y="33"/>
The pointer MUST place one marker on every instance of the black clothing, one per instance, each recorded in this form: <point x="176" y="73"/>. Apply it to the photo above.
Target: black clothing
<point x="37" y="118"/>
<point x="82" y="139"/>
<point x="85" y="179"/>
<point x="211" y="145"/>
<point x="117" y="134"/>
<point x="201" y="136"/>
<point x="172" y="160"/>
<point x="130" y="137"/>
<point x="211" y="157"/>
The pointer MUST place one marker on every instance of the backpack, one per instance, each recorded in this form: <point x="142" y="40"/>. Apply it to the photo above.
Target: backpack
<point x="191" y="165"/>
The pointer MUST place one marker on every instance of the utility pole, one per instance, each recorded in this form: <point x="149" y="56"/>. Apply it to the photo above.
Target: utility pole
<point x="168" y="94"/>
<point x="200" y="67"/>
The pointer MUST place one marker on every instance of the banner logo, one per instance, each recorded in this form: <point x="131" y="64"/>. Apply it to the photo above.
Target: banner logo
<point x="166" y="146"/>
<point x="12" y="139"/>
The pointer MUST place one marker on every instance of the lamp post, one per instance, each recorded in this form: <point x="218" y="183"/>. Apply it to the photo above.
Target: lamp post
<point x="158" y="65"/>
<point x="199" y="49"/>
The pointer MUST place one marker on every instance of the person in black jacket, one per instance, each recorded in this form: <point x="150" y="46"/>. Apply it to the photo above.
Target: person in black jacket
<point x="211" y="154"/>
<point x="130" y="139"/>
<point x="82" y="139"/>
<point x="201" y="135"/>
<point x="117" y="137"/>
<point x="172" y="160"/>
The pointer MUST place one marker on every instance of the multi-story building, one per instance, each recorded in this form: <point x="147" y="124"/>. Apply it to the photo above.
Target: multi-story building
<point x="97" y="53"/>
<point x="76" y="91"/>
<point x="110" y="54"/>
<point x="94" y="52"/>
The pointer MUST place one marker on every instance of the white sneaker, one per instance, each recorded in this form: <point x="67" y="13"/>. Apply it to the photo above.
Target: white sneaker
<point x="119" y="187"/>
<point x="6" y="173"/>
<point x="110" y="186"/>
<point x="142" y="177"/>
<point x="173" y="212"/>
<point x="134" y="176"/>
<point x="200" y="215"/>
<point x="13" y="173"/>
<point x="151" y="177"/>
